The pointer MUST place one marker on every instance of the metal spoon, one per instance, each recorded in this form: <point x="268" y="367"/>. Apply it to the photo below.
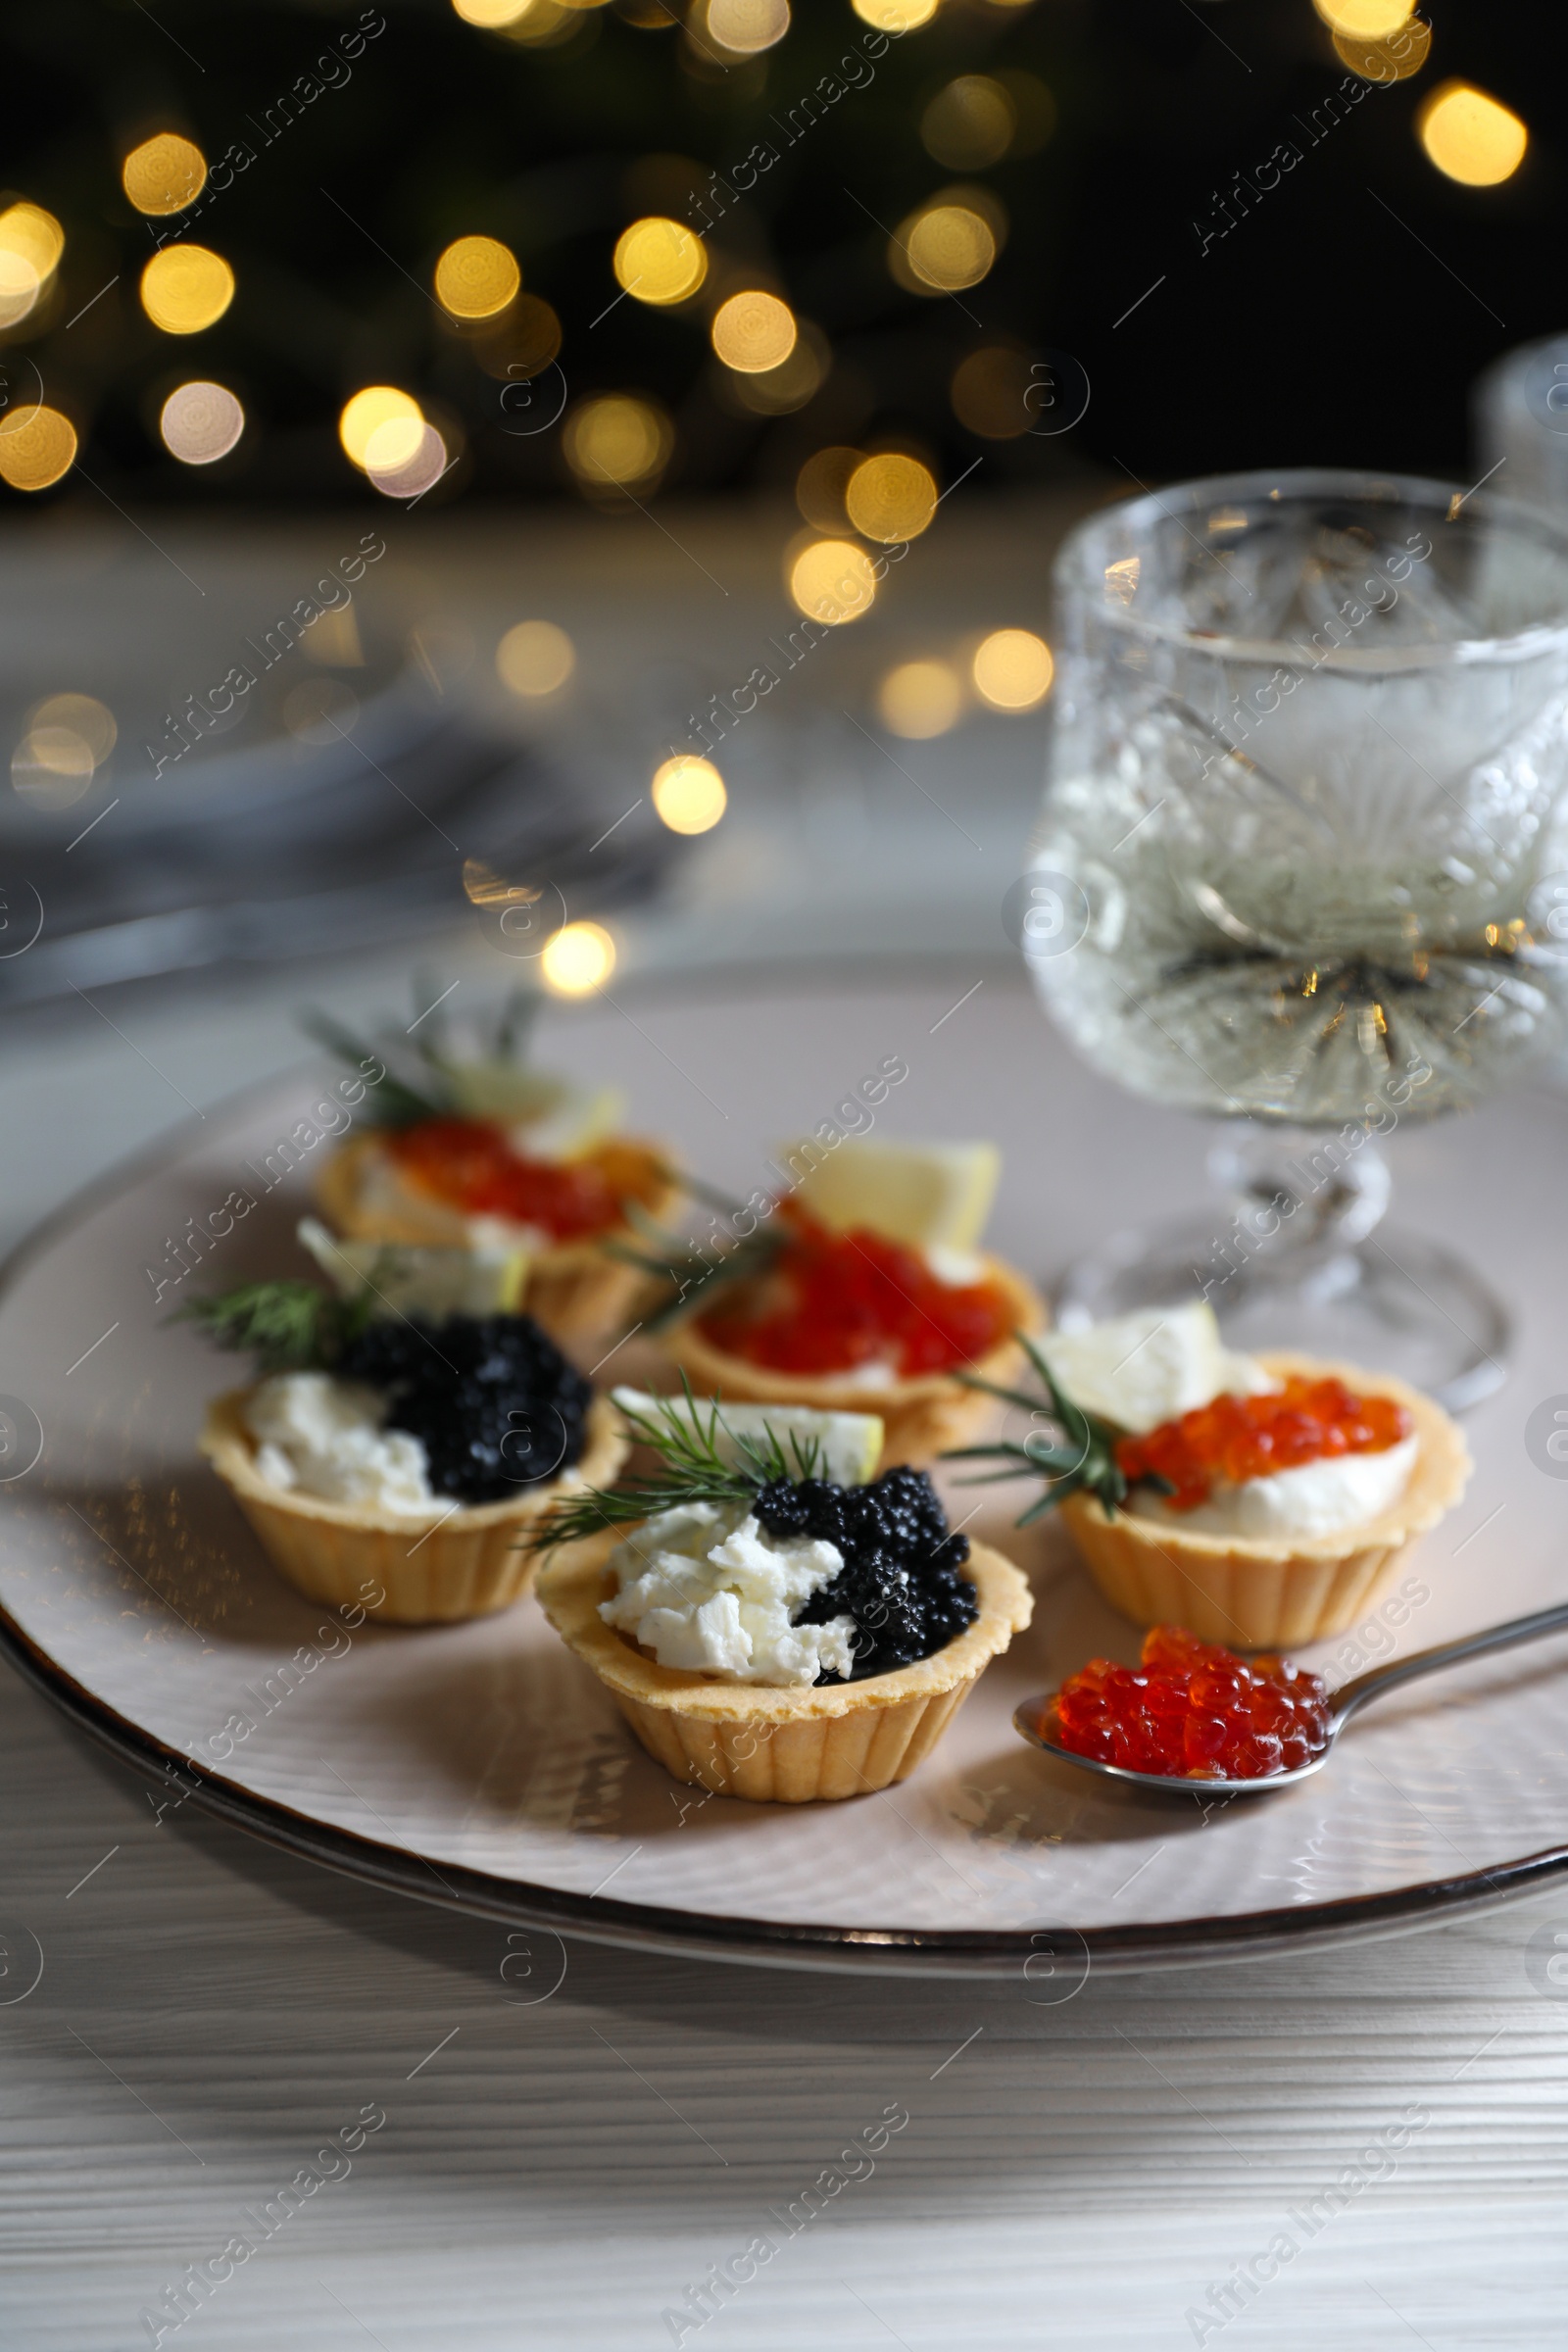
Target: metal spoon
<point x="1028" y="1718"/>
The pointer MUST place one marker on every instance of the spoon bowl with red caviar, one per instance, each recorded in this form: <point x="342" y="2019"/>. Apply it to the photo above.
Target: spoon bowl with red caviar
<point x="1195" y="1719"/>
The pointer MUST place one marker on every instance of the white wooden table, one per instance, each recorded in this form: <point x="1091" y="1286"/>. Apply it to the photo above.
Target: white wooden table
<point x="563" y="2171"/>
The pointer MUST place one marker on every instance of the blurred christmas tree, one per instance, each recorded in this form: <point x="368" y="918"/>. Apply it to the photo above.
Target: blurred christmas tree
<point x="538" y="247"/>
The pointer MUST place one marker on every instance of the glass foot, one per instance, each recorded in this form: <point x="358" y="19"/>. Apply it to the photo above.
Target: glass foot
<point x="1392" y="1300"/>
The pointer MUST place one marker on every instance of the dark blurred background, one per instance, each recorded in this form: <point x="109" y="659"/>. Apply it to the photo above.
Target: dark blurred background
<point x="1338" y="311"/>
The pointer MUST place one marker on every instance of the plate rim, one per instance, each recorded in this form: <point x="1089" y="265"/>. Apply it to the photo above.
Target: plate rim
<point x="524" y="1903"/>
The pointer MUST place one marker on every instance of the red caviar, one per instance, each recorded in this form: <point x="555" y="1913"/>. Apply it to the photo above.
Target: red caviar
<point x="472" y="1164"/>
<point x="1193" y="1711"/>
<point x="1236" y="1437"/>
<point x="832" y="1300"/>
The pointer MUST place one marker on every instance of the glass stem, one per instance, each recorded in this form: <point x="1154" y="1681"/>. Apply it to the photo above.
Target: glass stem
<point x="1296" y="1196"/>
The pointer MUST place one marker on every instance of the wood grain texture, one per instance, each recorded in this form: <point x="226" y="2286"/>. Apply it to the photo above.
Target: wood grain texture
<point x="559" y="2173"/>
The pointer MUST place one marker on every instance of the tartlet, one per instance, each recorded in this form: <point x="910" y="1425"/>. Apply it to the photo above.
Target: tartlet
<point x="575" y="1291"/>
<point x="1261" y="1593"/>
<point x="463" y="1562"/>
<point x="923" y="1414"/>
<point x="508" y="1139"/>
<point x="796" y="1746"/>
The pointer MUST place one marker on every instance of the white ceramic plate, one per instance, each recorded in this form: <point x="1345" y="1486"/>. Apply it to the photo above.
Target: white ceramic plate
<point x="481" y="1766"/>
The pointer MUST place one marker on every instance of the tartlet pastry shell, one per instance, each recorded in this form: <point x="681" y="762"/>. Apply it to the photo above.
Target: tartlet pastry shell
<point x="461" y="1565"/>
<point x="1263" y="1594"/>
<point x="782" y="1746"/>
<point x="920" y="1417"/>
<point x="575" y="1291"/>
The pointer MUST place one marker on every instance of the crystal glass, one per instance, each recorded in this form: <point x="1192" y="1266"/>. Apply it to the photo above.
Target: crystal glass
<point x="1302" y="864"/>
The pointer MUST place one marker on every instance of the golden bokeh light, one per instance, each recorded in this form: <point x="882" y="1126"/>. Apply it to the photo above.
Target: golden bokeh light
<point x="365" y="414"/>
<point x="31" y="242"/>
<point x="186" y="288"/>
<point x="399" y="471"/>
<point x="83" y="715"/>
<point x="990" y="392"/>
<point x="753" y="331"/>
<point x="165" y="173"/>
<point x="1471" y="137"/>
<point x="659" y="261"/>
<point x="618" y="441"/>
<point x="535" y="659"/>
<point x="689" y="794"/>
<point x="1012" y="670"/>
<point x="895" y="16"/>
<point x="947" y="247"/>
<point x="891" y="497"/>
<point x="476" y="278"/>
<point x="1367" y="19"/>
<point x="746" y="28"/>
<point x="578" y="959"/>
<point x="821" y="486"/>
<point x="492" y="16"/>
<point x="920" y="699"/>
<point x="20" y="288"/>
<point x="34" y="235"/>
<point x="37" y="445"/>
<point x="201" y="422"/>
<point x="832" y="582"/>
<point x="393" y="443"/>
<point x="970" y="124"/>
<point x="1403" y="54"/>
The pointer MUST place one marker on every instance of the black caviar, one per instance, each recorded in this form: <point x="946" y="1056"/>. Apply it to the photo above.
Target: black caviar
<point x="492" y="1399"/>
<point x="901" y="1579"/>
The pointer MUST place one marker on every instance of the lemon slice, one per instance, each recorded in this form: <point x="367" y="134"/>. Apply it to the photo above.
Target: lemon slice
<point x="429" y="1283"/>
<point x="1144" y="1369"/>
<point x="929" y="1196"/>
<point x="849" y="1446"/>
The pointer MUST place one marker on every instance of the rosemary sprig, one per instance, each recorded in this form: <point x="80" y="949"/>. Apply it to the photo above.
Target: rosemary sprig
<point x="684" y="1433"/>
<point x="420" y="1087"/>
<point x="1084" y="1462"/>
<point x="397" y="1102"/>
<point x="288" y="1326"/>
<point x="687" y="1266"/>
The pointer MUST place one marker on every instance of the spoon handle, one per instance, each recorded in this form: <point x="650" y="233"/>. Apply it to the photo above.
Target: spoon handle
<point x="1372" y="1684"/>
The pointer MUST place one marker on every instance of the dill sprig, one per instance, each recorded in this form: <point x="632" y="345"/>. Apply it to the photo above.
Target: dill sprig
<point x="286" y="1326"/>
<point x="1084" y="1461"/>
<point x="684" y="1433"/>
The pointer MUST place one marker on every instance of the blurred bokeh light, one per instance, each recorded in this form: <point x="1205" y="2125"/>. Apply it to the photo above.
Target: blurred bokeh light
<point x="535" y="659"/>
<point x="37" y="447"/>
<point x="618" y="441"/>
<point x="369" y="413"/>
<point x="201" y="422"/>
<point x="920" y="699"/>
<point x="689" y="794"/>
<point x="580" y="957"/>
<point x="475" y="277"/>
<point x="1012" y="670"/>
<point x="1471" y="137"/>
<point x="659" y="261"/>
<point x="891" y="497"/>
<point x="165" y="173"/>
<point x="754" y="330"/>
<point x="186" y="288"/>
<point x="832" y="582"/>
